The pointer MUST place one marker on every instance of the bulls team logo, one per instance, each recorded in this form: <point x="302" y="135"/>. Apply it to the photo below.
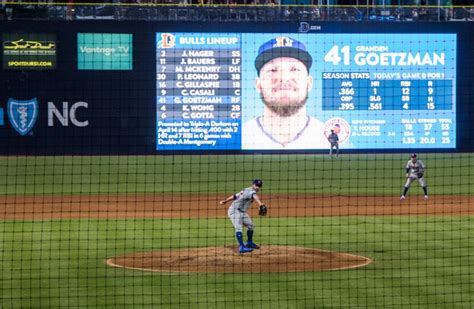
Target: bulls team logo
<point x="22" y="114"/>
<point x="168" y="40"/>
<point x="304" y="27"/>
<point x="283" y="41"/>
<point x="341" y="128"/>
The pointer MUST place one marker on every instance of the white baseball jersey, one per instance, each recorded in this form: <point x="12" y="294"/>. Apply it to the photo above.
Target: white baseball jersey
<point x="238" y="210"/>
<point x="254" y="136"/>
<point x="415" y="168"/>
<point x="243" y="199"/>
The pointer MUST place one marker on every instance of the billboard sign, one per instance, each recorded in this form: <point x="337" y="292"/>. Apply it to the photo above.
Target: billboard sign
<point x="104" y="51"/>
<point x="30" y="51"/>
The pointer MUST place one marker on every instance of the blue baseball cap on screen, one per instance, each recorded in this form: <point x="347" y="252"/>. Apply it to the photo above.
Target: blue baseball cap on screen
<point x="282" y="47"/>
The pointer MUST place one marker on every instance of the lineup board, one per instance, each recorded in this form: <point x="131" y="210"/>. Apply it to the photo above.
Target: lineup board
<point x="199" y="91"/>
<point x="381" y="90"/>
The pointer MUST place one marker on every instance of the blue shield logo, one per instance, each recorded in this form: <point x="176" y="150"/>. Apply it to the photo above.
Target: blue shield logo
<point x="22" y="114"/>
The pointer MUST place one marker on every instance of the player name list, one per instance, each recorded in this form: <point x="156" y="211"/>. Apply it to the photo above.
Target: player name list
<point x="199" y="93"/>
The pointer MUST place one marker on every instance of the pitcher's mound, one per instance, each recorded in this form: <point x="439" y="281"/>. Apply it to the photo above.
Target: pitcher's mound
<point x="228" y="260"/>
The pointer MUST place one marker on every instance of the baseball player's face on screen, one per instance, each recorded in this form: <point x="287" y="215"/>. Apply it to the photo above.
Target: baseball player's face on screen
<point x="284" y="84"/>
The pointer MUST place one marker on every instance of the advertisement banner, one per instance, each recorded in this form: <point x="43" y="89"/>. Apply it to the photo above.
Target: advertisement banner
<point x="29" y="51"/>
<point x="104" y="51"/>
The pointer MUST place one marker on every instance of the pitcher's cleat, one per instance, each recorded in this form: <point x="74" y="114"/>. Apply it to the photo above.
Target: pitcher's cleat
<point x="402" y="198"/>
<point x="426" y="197"/>
<point x="252" y="245"/>
<point x="243" y="249"/>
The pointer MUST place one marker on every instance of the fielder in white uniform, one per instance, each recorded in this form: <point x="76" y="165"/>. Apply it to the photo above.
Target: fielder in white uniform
<point x="415" y="170"/>
<point x="238" y="214"/>
<point x="283" y="83"/>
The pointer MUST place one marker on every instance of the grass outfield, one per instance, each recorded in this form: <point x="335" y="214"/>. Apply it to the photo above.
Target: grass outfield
<point x="419" y="262"/>
<point x="362" y="174"/>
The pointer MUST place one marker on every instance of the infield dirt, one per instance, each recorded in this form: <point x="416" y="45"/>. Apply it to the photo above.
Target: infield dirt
<point x="39" y="207"/>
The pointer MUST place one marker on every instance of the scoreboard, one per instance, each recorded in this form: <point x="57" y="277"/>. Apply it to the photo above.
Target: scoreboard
<point x="199" y="91"/>
<point x="381" y="90"/>
<point x="363" y="93"/>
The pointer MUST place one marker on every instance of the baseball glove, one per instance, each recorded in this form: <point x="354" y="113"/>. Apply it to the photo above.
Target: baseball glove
<point x="420" y="175"/>
<point x="262" y="211"/>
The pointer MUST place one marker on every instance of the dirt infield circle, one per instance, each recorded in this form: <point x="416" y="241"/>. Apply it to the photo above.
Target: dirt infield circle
<point x="267" y="259"/>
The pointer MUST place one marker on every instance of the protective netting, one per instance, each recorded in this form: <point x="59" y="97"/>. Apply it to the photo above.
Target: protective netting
<point x="136" y="157"/>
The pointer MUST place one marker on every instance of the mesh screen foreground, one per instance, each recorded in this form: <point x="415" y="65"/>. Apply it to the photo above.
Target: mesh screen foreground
<point x="130" y="150"/>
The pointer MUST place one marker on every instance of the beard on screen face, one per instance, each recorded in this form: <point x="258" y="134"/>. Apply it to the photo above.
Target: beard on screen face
<point x="285" y="109"/>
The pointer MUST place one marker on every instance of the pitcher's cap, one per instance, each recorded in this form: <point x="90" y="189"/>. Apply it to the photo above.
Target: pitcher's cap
<point x="258" y="183"/>
<point x="282" y="47"/>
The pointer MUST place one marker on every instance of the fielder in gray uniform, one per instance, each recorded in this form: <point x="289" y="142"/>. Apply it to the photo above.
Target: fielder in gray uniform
<point x="334" y="141"/>
<point x="415" y="170"/>
<point x="238" y="214"/>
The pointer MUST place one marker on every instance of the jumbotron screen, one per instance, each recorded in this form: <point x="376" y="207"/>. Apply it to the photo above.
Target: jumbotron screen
<point x="289" y="91"/>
